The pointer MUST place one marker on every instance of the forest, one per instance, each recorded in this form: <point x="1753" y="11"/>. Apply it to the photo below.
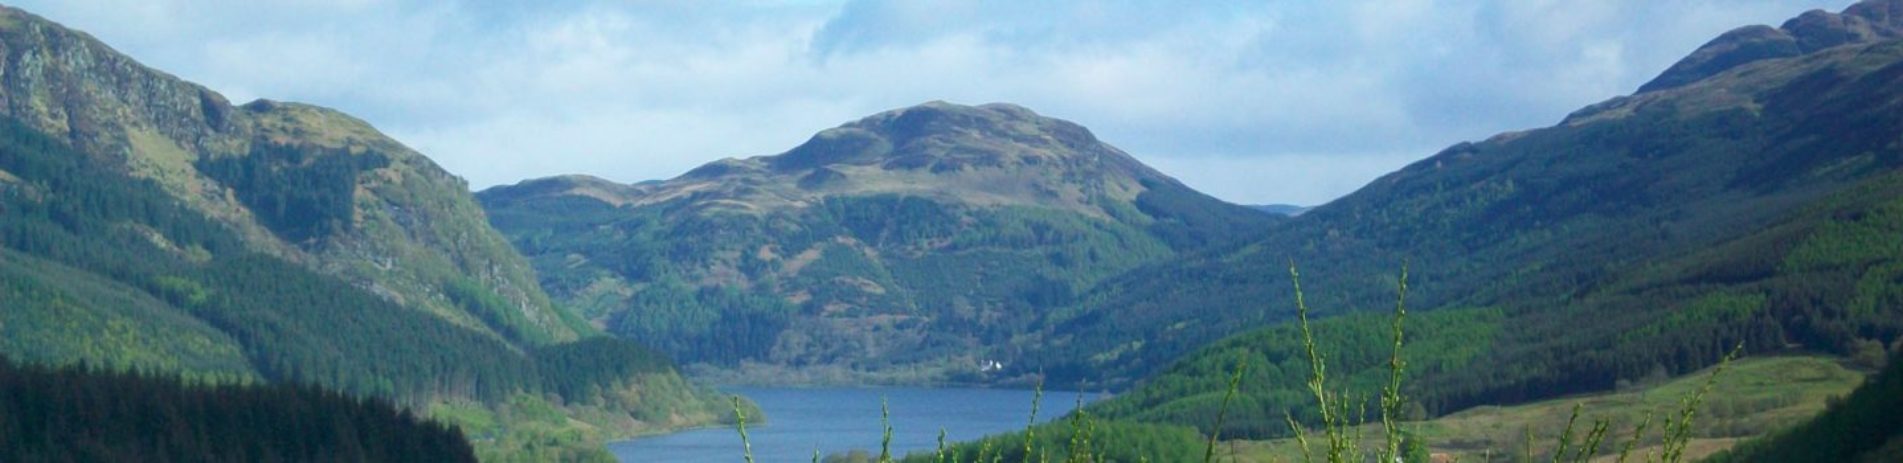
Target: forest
<point x="81" y="413"/>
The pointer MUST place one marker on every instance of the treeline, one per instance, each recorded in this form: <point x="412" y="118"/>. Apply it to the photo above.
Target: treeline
<point x="81" y="414"/>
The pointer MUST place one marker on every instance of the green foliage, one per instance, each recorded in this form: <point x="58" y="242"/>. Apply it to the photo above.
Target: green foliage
<point x="57" y="314"/>
<point x="78" y="414"/>
<point x="716" y="324"/>
<point x="300" y="192"/>
<point x="495" y="312"/>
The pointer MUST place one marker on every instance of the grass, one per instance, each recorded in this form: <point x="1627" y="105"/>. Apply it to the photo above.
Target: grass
<point x="1752" y="397"/>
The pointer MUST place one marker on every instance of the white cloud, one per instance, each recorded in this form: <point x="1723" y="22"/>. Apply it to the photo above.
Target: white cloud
<point x="1318" y="97"/>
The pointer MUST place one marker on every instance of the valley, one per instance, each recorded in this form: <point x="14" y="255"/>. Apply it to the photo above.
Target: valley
<point x="188" y="272"/>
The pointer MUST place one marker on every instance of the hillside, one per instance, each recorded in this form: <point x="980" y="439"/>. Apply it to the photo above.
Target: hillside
<point x="147" y="224"/>
<point x="923" y="239"/>
<point x="1748" y="190"/>
<point x="300" y="182"/>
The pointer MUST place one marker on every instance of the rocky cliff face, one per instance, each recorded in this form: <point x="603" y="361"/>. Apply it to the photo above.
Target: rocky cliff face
<point x="405" y="228"/>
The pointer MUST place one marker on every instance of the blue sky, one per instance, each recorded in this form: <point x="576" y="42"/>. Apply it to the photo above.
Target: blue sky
<point x="1253" y="102"/>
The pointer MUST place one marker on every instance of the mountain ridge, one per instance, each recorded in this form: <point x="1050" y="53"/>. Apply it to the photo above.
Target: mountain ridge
<point x="942" y="226"/>
<point x="1815" y="30"/>
<point x="922" y="146"/>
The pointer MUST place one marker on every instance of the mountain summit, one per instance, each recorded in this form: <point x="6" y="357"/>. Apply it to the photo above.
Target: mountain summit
<point x="1815" y="30"/>
<point x="909" y="237"/>
<point x="994" y="154"/>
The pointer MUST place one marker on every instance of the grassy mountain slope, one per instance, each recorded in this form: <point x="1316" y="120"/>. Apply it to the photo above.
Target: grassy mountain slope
<point x="919" y="237"/>
<point x="304" y="183"/>
<point x="1559" y="223"/>
<point x="145" y="224"/>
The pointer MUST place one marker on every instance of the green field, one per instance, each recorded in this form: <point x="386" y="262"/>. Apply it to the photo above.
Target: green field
<point x="1752" y="397"/>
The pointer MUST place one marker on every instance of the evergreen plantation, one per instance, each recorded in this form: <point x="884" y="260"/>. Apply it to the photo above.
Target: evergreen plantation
<point x="80" y="414"/>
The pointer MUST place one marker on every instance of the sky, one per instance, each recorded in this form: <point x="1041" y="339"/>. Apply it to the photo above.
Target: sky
<point x="1253" y="102"/>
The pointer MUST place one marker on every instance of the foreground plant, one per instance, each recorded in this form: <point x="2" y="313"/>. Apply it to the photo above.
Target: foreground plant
<point x="1342" y="441"/>
<point x="740" y="420"/>
<point x="1341" y="431"/>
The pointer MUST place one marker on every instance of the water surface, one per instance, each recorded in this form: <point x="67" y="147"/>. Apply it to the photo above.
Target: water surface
<point x="837" y="420"/>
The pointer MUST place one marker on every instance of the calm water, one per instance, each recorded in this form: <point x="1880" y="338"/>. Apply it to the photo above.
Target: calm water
<point x="836" y="420"/>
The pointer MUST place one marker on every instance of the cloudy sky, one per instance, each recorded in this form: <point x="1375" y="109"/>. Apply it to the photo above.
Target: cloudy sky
<point x="1254" y="102"/>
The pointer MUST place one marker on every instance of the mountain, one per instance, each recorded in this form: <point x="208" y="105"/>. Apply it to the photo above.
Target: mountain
<point x="1813" y="31"/>
<point x="1648" y="231"/>
<point x="304" y="183"/>
<point x="1290" y="210"/>
<point x="146" y="223"/>
<point x="927" y="236"/>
